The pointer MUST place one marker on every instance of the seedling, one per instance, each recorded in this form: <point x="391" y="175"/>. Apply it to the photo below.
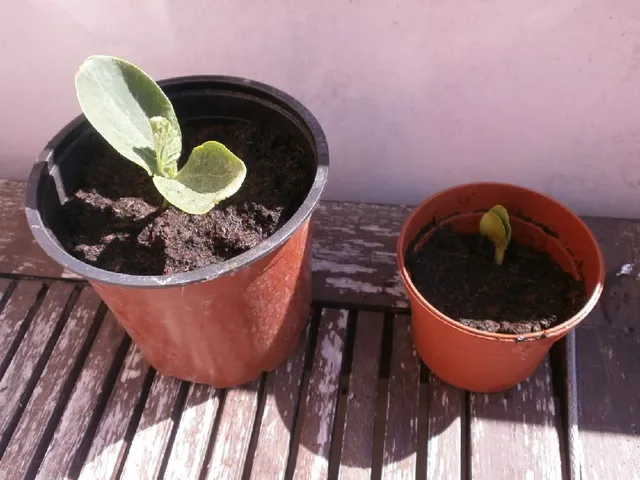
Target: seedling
<point x="495" y="225"/>
<point x="137" y="119"/>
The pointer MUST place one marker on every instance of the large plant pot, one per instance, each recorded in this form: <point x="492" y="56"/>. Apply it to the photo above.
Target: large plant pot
<point x="225" y="324"/>
<point x="481" y="361"/>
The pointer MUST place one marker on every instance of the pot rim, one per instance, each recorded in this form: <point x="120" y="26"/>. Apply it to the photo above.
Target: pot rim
<point x="557" y="331"/>
<point x="52" y="247"/>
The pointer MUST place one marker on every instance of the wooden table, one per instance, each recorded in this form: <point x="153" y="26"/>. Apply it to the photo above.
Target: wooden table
<point x="78" y="401"/>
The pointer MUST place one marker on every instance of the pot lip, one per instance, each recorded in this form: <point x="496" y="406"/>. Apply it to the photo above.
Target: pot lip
<point x="52" y="247"/>
<point x="557" y="331"/>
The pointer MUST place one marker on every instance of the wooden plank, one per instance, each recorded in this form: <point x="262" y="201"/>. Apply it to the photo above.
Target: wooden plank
<point x="608" y="375"/>
<point x="444" y="448"/>
<point x="514" y="434"/>
<point x="312" y="461"/>
<point x="152" y="436"/>
<point x="357" y="444"/>
<point x="13" y="386"/>
<point x="64" y="444"/>
<point x="108" y="445"/>
<point x="194" y="432"/>
<point x="401" y="430"/>
<point x="4" y="286"/>
<point x="19" y="252"/>
<point x="15" y="313"/>
<point x="354" y="257"/>
<point x="234" y="432"/>
<point x="282" y="392"/>
<point x="620" y="301"/>
<point x="39" y="410"/>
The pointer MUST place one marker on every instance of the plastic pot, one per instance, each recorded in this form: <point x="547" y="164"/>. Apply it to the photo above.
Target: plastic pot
<point x="225" y="324"/>
<point x="489" y="362"/>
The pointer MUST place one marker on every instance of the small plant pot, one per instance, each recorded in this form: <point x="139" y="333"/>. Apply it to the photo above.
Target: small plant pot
<point x="476" y="360"/>
<point x="224" y="324"/>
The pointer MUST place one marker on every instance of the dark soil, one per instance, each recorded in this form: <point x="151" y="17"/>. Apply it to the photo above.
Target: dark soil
<point x="115" y="221"/>
<point x="528" y="293"/>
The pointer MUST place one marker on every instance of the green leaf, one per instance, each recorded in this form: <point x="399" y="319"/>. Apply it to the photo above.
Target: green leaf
<point x="502" y="213"/>
<point x="119" y="100"/>
<point x="168" y="147"/>
<point x="491" y="226"/>
<point x="211" y="174"/>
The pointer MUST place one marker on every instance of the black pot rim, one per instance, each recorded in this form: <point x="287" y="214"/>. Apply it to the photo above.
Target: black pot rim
<point x="52" y="247"/>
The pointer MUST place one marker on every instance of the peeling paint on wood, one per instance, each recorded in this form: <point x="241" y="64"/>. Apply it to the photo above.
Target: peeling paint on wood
<point x="194" y="432"/>
<point x="401" y="432"/>
<point x="354" y="254"/>
<point x="70" y="430"/>
<point x="608" y="374"/>
<point x="107" y="447"/>
<point x="234" y="433"/>
<point x="525" y="421"/>
<point x="276" y="426"/>
<point x="150" y="440"/>
<point x="19" y="252"/>
<point x="312" y="461"/>
<point x="15" y="311"/>
<point x="356" y="458"/>
<point x="21" y="368"/>
<point x="444" y="449"/>
<point x="36" y="415"/>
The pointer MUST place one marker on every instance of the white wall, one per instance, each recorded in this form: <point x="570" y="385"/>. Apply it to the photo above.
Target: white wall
<point x="414" y="95"/>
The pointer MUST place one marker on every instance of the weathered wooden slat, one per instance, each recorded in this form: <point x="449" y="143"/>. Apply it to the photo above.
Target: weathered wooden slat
<point x="36" y="415"/>
<point x="282" y="392"/>
<point x="15" y="312"/>
<point x="620" y="301"/>
<point x="401" y="430"/>
<point x="194" y="433"/>
<point x="4" y="286"/>
<point x="234" y="432"/>
<point x="514" y="434"/>
<point x="21" y="369"/>
<point x="108" y="444"/>
<point x="148" y="446"/>
<point x="64" y="444"/>
<point x="354" y="254"/>
<point x="444" y="446"/>
<point x="357" y="444"/>
<point x="312" y="460"/>
<point x="608" y="371"/>
<point x="19" y="252"/>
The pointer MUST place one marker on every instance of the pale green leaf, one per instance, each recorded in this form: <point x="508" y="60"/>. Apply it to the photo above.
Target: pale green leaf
<point x="167" y="145"/>
<point x="211" y="175"/>
<point x="491" y="226"/>
<point x="119" y="100"/>
<point x="502" y="213"/>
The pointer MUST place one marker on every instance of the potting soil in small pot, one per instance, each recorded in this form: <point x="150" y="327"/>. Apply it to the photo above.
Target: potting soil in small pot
<point x="115" y="219"/>
<point x="528" y="293"/>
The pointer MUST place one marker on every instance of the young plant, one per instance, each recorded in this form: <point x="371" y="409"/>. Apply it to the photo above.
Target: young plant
<point x="134" y="115"/>
<point x="495" y="225"/>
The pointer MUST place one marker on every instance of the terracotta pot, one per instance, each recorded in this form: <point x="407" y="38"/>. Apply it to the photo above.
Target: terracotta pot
<point x="225" y="324"/>
<point x="488" y="362"/>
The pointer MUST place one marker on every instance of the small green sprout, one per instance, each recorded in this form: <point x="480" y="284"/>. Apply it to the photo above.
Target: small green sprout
<point x="495" y="225"/>
<point x="137" y="119"/>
